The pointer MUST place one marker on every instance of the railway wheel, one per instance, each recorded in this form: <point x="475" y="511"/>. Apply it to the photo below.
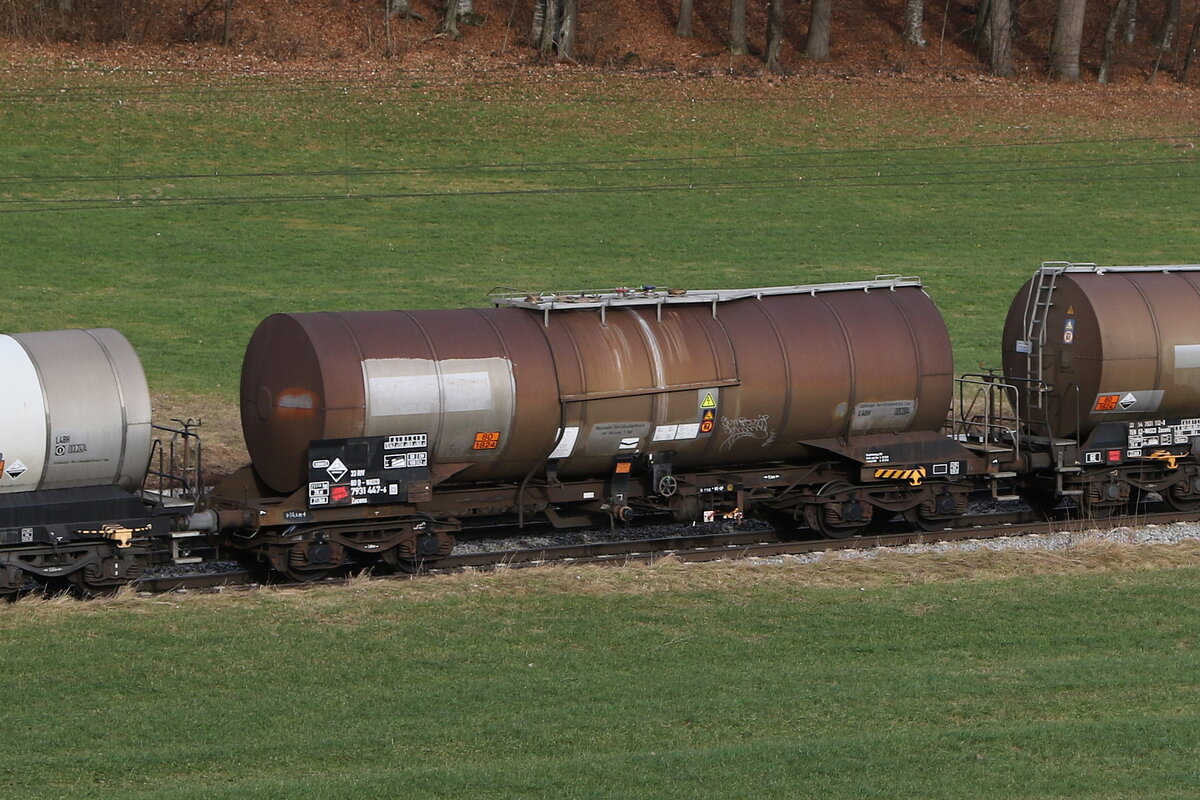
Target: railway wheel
<point x="107" y="575"/>
<point x="1183" y="496"/>
<point x="685" y="508"/>
<point x="12" y="581"/>
<point x="414" y="566"/>
<point x="1101" y="513"/>
<point x="307" y="562"/>
<point x="306" y="575"/>
<point x="938" y="510"/>
<point x="1186" y="504"/>
<point x="1103" y="501"/>
<point x="844" y="516"/>
<point x="918" y="519"/>
<point x="423" y="551"/>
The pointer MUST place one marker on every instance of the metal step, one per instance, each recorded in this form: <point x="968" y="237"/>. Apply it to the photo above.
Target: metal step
<point x="1047" y="441"/>
<point x="982" y="447"/>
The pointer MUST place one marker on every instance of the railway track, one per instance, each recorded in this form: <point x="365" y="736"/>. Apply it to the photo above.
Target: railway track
<point x="696" y="548"/>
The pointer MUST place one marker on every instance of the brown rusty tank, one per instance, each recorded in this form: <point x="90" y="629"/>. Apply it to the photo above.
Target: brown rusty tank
<point x="1112" y="344"/>
<point x="719" y="377"/>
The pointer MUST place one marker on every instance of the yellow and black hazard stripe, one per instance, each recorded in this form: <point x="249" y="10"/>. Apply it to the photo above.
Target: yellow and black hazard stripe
<point x="912" y="475"/>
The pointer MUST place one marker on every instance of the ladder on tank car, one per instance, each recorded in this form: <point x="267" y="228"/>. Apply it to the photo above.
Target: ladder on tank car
<point x="1037" y="310"/>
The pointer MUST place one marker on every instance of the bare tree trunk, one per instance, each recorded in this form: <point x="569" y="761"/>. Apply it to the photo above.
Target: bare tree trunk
<point x="914" y="22"/>
<point x="1068" y="36"/>
<point x="775" y="20"/>
<point x="550" y="28"/>
<point x="401" y="8"/>
<point x="684" y="26"/>
<point x="817" y="46"/>
<point x="566" y="39"/>
<point x="449" y="23"/>
<point x="388" y="49"/>
<point x="1110" y="40"/>
<point x="1131" y="22"/>
<point x="539" y="23"/>
<point x="737" y="27"/>
<point x="227" y="26"/>
<point x="554" y="26"/>
<point x="983" y="33"/>
<point x="999" y="37"/>
<point x="1193" y="42"/>
<point x="1170" y="27"/>
<point x="1166" y="35"/>
<point x="1015" y="13"/>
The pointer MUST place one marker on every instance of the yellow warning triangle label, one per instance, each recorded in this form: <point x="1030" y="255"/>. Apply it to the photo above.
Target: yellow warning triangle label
<point x="708" y="415"/>
<point x="1070" y="309"/>
<point x="709" y="401"/>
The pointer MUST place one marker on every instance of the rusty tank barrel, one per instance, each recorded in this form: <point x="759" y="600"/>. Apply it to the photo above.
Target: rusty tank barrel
<point x="1109" y="344"/>
<point x="582" y="379"/>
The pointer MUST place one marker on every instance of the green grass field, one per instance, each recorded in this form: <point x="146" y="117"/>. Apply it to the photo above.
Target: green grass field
<point x="183" y="211"/>
<point x="895" y="679"/>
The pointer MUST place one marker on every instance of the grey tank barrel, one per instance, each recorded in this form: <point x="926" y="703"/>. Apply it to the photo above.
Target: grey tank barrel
<point x="75" y="411"/>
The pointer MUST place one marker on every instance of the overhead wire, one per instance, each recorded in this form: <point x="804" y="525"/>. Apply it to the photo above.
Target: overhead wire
<point x="956" y="178"/>
<point x="596" y="165"/>
<point x="982" y="161"/>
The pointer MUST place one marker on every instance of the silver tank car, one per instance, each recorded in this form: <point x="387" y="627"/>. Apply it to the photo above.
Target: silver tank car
<point x="74" y="411"/>
<point x="715" y="378"/>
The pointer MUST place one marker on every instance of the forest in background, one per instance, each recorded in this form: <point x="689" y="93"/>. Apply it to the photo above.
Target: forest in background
<point x="1068" y="40"/>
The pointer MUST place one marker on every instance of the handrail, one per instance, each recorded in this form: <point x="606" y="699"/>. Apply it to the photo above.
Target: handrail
<point x="999" y="422"/>
<point x="176" y="468"/>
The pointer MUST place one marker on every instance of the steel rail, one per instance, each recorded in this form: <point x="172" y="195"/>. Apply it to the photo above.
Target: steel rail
<point x="695" y="548"/>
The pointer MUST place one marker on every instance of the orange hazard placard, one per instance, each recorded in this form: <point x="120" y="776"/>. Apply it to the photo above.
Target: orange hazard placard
<point x="1107" y="402"/>
<point x="486" y="441"/>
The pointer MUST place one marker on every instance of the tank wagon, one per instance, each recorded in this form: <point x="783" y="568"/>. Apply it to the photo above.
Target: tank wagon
<point x="382" y="435"/>
<point x="76" y="444"/>
<point x="1102" y="386"/>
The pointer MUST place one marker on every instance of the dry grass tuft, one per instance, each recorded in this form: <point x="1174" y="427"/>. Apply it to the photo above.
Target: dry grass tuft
<point x="833" y="571"/>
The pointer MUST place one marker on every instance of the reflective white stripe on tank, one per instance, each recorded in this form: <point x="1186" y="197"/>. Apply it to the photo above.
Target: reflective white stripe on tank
<point x="1187" y="356"/>
<point x="403" y="396"/>
<point x="450" y="399"/>
<point x="22" y="419"/>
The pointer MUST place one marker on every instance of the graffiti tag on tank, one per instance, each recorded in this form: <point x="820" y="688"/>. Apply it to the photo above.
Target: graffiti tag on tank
<point x="737" y="429"/>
